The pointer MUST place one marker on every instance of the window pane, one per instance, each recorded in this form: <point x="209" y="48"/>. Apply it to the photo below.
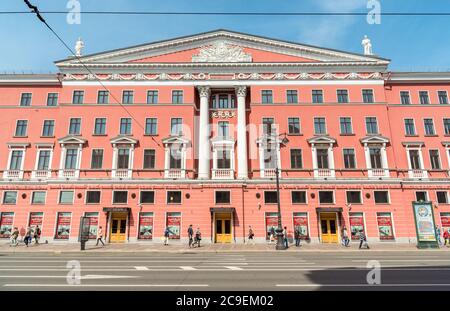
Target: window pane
<point x="173" y="197"/>
<point x="120" y="197"/>
<point x="149" y="159"/>
<point x="381" y="197"/>
<point x="52" y="99"/>
<point x="66" y="197"/>
<point x="270" y="197"/>
<point x="152" y="97"/>
<point x="223" y="197"/>
<point x="93" y="197"/>
<point x="38" y="197"/>
<point x="10" y="197"/>
<point x="298" y="197"/>
<point x="147" y="197"/>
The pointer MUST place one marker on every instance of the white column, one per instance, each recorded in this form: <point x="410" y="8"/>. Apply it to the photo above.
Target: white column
<point x="241" y="93"/>
<point x="314" y="160"/>
<point x="204" y="133"/>
<point x="331" y="160"/>
<point x="368" y="163"/>
<point x="385" y="161"/>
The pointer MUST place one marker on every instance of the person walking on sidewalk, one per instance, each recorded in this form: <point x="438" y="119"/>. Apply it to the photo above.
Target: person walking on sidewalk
<point x="251" y="234"/>
<point x="27" y="238"/>
<point x="167" y="233"/>
<point x="297" y="236"/>
<point x="438" y="235"/>
<point x="446" y="236"/>
<point x="198" y="238"/>
<point x="37" y="235"/>
<point x="190" y="232"/>
<point x="272" y="235"/>
<point x="345" y="238"/>
<point x="363" y="240"/>
<point x="285" y="237"/>
<point x="100" y="236"/>
<point x="14" y="237"/>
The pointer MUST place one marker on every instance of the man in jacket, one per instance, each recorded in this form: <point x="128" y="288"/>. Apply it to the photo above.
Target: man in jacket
<point x="190" y="232"/>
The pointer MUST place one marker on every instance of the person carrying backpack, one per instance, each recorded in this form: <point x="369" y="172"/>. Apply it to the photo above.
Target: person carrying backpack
<point x="297" y="236"/>
<point x="190" y="232"/>
<point x="14" y="237"/>
<point x="37" y="235"/>
<point x="198" y="237"/>
<point x="251" y="235"/>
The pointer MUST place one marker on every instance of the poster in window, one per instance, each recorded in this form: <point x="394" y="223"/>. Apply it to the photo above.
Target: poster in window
<point x="63" y="226"/>
<point x="424" y="222"/>
<point x="6" y="223"/>
<point x="271" y="223"/>
<point x="93" y="224"/>
<point x="301" y="222"/>
<point x="146" y="226"/>
<point x="385" y="226"/>
<point x="356" y="225"/>
<point x="445" y="222"/>
<point x="174" y="225"/>
<point x="36" y="219"/>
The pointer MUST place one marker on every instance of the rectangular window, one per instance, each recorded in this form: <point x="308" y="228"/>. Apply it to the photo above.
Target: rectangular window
<point x="223" y="197"/>
<point x="147" y="197"/>
<point x="48" y="128"/>
<point x="424" y="98"/>
<point x="385" y="227"/>
<point x="125" y="126"/>
<point x="103" y="97"/>
<point x="296" y="159"/>
<point x="326" y="197"/>
<point x="93" y="197"/>
<point x="123" y="158"/>
<point x="342" y="96"/>
<point x="127" y="97"/>
<point x="356" y="221"/>
<point x="435" y="160"/>
<point x="175" y="156"/>
<point x="443" y="97"/>
<point x="38" y="197"/>
<point x="66" y="197"/>
<point x="404" y="98"/>
<point x="149" y="159"/>
<point x="6" y="224"/>
<point x="346" y="125"/>
<point x="173" y="223"/>
<point x="63" y="226"/>
<point x="270" y="197"/>
<point x="176" y="126"/>
<point x="21" y="128"/>
<point x="414" y="159"/>
<point x="371" y="125"/>
<point x="173" y="197"/>
<point x="75" y="126"/>
<point x="223" y="129"/>
<point x="177" y="97"/>
<point x="120" y="197"/>
<point x="429" y="127"/>
<point x="381" y="197"/>
<point x="10" y="197"/>
<point x="442" y="197"/>
<point x="43" y="160"/>
<point x="375" y="158"/>
<point x="367" y="96"/>
<point x="322" y="158"/>
<point x="294" y="125"/>
<point x="152" y="97"/>
<point x="25" y="99"/>
<point x="317" y="96"/>
<point x="349" y="158"/>
<point x="268" y="126"/>
<point x="410" y="129"/>
<point x="320" y="126"/>
<point x="71" y="159"/>
<point x="266" y="97"/>
<point x="447" y="126"/>
<point x="52" y="99"/>
<point x="223" y="158"/>
<point x="16" y="160"/>
<point x="151" y="126"/>
<point x="421" y="196"/>
<point x="298" y="197"/>
<point x="354" y="197"/>
<point x="97" y="159"/>
<point x="292" y="96"/>
<point x="100" y="126"/>
<point x="78" y="97"/>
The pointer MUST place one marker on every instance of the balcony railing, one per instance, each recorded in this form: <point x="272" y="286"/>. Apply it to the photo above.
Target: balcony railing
<point x="269" y="173"/>
<point x="175" y="173"/>
<point x="122" y="173"/>
<point x="222" y="173"/>
<point x="69" y="173"/>
<point x="41" y="174"/>
<point x="418" y="173"/>
<point x="13" y="174"/>
<point x="378" y="172"/>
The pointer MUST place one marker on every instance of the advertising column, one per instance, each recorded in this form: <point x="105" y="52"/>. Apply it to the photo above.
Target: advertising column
<point x="63" y="226"/>
<point x="301" y="222"/>
<point x="173" y="222"/>
<point x="6" y="223"/>
<point x="146" y="226"/>
<point x="424" y="219"/>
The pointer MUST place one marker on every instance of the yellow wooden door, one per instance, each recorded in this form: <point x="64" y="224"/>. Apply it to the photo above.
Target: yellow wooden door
<point x="223" y="228"/>
<point x="118" y="228"/>
<point x="329" y="231"/>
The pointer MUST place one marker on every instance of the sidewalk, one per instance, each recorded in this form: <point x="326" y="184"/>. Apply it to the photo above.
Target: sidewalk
<point x="207" y="248"/>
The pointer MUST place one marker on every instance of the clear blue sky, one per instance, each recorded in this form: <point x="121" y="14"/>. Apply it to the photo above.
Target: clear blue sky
<point x="413" y="43"/>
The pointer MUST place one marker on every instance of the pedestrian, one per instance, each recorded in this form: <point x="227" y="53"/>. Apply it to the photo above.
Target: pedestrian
<point x="198" y="237"/>
<point x="438" y="235"/>
<point x="37" y="235"/>
<point x="363" y="240"/>
<point x="345" y="238"/>
<point x="100" y="236"/>
<point x="166" y="236"/>
<point x="446" y="236"/>
<point x="190" y="232"/>
<point x="14" y="237"/>
<point x="297" y="236"/>
<point x="251" y="234"/>
<point x="272" y="235"/>
<point x="285" y="237"/>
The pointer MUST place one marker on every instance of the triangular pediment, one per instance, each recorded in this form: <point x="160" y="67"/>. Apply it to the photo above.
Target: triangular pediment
<point x="175" y="140"/>
<point x="223" y="46"/>
<point x="321" y="140"/>
<point x="375" y="139"/>
<point x="70" y="139"/>
<point x="123" y="140"/>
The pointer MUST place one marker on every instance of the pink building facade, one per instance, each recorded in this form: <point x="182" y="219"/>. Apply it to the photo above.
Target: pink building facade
<point x="190" y="131"/>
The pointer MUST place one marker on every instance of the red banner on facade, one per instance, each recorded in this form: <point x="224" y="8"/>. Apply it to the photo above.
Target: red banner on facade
<point x="271" y="224"/>
<point x="6" y="223"/>
<point x="174" y="225"/>
<point x="36" y="219"/>
<point x="301" y="222"/>
<point x="93" y="225"/>
<point x="63" y="226"/>
<point x="356" y="225"/>
<point x="385" y="226"/>
<point x="146" y="226"/>
<point x="445" y="221"/>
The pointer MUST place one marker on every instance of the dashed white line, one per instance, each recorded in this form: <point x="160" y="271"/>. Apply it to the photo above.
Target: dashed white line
<point x="233" y="268"/>
<point x="141" y="268"/>
<point x="187" y="268"/>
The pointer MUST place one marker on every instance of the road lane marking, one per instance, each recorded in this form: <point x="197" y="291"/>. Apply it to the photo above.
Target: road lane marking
<point x="141" y="268"/>
<point x="84" y="277"/>
<point x="359" y="285"/>
<point x="105" y="285"/>
<point x="408" y="260"/>
<point x="186" y="268"/>
<point x="233" y="268"/>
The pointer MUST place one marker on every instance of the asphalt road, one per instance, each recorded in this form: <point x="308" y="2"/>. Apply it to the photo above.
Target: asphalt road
<point x="424" y="270"/>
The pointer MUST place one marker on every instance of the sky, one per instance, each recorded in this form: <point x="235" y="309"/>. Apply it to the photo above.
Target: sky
<point x="413" y="43"/>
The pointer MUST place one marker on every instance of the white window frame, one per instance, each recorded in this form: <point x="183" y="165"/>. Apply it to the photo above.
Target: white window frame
<point x="360" y="194"/>
<point x="306" y="196"/>
<point x="59" y="197"/>
<point x="31" y="197"/>
<point x="448" y="199"/>
<point x="422" y="166"/>
<point x="49" y="171"/>
<point x="334" y="197"/>
<point x="389" y="197"/>
<point x="147" y="190"/>
<point x="167" y="196"/>
<point x="222" y="190"/>
<point x="112" y="196"/>
<point x="6" y="173"/>
<point x="92" y="190"/>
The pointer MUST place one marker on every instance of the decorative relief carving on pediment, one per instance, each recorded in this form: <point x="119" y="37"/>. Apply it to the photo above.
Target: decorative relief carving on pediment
<point x="221" y="52"/>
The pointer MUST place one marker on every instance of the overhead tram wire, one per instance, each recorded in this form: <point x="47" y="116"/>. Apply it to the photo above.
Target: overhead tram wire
<point x="35" y="10"/>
